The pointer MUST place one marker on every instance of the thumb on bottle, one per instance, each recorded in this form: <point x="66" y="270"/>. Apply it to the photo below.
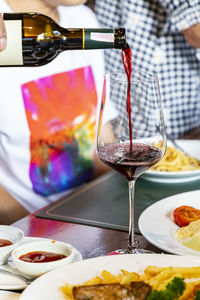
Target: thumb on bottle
<point x="3" y="36"/>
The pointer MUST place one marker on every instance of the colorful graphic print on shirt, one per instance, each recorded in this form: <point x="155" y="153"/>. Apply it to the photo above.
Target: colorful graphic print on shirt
<point x="61" y="114"/>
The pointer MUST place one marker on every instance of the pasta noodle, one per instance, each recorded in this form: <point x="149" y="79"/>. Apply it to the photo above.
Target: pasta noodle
<point x="176" y="161"/>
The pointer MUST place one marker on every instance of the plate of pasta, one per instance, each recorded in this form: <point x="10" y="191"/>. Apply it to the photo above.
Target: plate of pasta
<point x="176" y="165"/>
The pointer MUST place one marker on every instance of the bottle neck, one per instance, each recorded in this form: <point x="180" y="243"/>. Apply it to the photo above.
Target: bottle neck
<point x="41" y="27"/>
<point x="93" y="38"/>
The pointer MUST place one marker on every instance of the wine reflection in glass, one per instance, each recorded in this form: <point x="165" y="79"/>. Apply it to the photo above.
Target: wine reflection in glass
<point x="131" y="133"/>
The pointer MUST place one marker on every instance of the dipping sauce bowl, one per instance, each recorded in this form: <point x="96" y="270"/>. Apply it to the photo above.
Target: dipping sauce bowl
<point x="10" y="238"/>
<point x="36" y="258"/>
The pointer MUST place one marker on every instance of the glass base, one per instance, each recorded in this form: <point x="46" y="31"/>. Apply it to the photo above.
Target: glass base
<point x="130" y="251"/>
<point x="133" y="248"/>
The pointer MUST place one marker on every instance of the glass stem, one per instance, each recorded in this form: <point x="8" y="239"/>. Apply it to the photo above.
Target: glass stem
<point x="131" y="239"/>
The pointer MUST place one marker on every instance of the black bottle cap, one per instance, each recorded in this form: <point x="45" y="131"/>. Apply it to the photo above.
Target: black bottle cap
<point x="120" y="38"/>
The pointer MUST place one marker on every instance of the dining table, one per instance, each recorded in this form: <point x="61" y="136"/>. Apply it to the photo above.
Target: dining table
<point x="94" y="217"/>
<point x="90" y="241"/>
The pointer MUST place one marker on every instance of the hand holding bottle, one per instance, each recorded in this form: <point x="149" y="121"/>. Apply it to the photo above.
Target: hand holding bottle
<point x="3" y="36"/>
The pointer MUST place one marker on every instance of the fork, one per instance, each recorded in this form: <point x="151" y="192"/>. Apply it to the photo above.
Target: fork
<point x="176" y="145"/>
<point x="26" y="279"/>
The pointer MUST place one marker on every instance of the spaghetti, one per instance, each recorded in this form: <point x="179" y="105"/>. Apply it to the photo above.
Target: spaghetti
<point x="176" y="161"/>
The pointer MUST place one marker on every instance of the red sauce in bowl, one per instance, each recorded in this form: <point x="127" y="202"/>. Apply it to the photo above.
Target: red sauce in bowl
<point x="41" y="256"/>
<point x="4" y="243"/>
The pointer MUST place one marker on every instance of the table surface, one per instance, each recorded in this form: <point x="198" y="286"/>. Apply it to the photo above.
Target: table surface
<point x="89" y="240"/>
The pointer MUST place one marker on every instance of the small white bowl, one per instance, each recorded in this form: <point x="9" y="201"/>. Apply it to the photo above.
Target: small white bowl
<point x="13" y="234"/>
<point x="36" y="269"/>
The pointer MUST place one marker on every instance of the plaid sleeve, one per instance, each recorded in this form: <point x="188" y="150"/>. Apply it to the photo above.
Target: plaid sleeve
<point x="108" y="12"/>
<point x="182" y="14"/>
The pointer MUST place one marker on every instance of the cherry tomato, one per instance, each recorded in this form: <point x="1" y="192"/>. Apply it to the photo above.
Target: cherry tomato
<point x="184" y="214"/>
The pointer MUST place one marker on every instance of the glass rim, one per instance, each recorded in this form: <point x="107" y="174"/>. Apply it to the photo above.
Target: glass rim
<point x="146" y="76"/>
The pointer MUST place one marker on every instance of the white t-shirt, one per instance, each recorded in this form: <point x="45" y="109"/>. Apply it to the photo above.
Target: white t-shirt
<point x="47" y="119"/>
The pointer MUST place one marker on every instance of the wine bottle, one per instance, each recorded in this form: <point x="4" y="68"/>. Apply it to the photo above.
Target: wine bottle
<point x="34" y="39"/>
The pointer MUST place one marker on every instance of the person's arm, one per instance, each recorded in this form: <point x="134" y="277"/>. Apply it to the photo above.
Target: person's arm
<point x="192" y="35"/>
<point x="10" y="209"/>
<point x="184" y="16"/>
<point x="99" y="167"/>
<point x="3" y="37"/>
<point x="106" y="134"/>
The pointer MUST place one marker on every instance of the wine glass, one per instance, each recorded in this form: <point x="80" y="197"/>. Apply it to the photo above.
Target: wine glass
<point x="131" y="133"/>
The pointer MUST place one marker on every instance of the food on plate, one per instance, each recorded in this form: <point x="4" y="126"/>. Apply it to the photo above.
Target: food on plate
<point x="193" y="243"/>
<point x="184" y="215"/>
<point x="155" y="283"/>
<point x="173" y="290"/>
<point x="135" y="290"/>
<point x="188" y="218"/>
<point x="176" y="161"/>
<point x="189" y="235"/>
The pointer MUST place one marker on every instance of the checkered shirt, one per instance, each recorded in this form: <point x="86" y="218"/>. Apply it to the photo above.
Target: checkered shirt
<point x="153" y="29"/>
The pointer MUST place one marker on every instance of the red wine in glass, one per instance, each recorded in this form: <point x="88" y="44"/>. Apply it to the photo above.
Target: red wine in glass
<point x="132" y="163"/>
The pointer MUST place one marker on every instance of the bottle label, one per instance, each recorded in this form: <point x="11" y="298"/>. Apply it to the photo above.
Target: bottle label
<point x="12" y="55"/>
<point x="98" y="38"/>
<point x="102" y="37"/>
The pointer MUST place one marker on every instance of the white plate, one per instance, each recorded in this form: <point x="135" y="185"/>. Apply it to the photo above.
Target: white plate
<point x="8" y="282"/>
<point x="192" y="148"/>
<point x="6" y="295"/>
<point x="49" y="285"/>
<point x="157" y="226"/>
